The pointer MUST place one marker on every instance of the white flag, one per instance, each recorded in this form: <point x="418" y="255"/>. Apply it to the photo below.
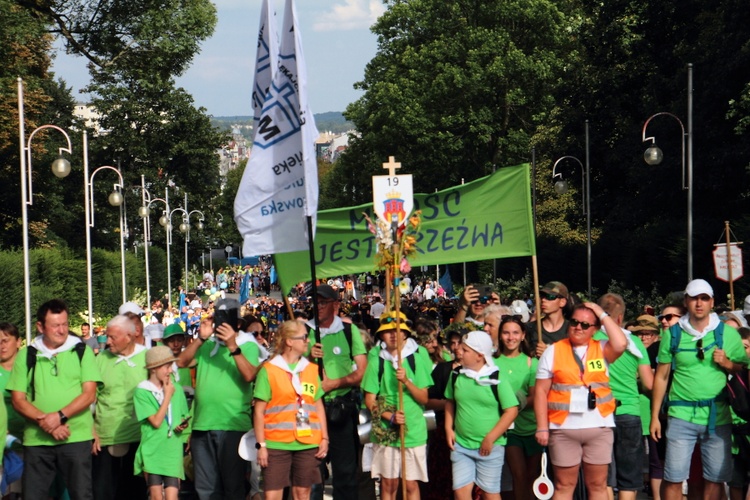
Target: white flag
<point x="266" y="60"/>
<point x="280" y="184"/>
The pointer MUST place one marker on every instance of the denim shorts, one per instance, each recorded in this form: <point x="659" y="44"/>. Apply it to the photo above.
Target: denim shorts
<point x="469" y="467"/>
<point x="716" y="451"/>
<point x="625" y="471"/>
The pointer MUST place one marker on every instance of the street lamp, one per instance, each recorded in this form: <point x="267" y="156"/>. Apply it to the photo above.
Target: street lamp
<point x="653" y="156"/>
<point x="60" y="167"/>
<point x="115" y="199"/>
<point x="144" y="211"/>
<point x="185" y="229"/>
<point x="561" y="187"/>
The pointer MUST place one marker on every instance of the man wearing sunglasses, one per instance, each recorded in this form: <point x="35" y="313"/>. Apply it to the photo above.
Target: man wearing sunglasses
<point x="554" y="325"/>
<point x="697" y="411"/>
<point x="344" y="361"/>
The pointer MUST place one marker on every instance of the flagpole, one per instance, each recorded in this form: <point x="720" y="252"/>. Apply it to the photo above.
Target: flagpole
<point x="314" y="287"/>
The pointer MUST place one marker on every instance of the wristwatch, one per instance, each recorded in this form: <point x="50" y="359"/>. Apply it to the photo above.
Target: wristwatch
<point x="258" y="446"/>
<point x="63" y="418"/>
<point x="236" y="352"/>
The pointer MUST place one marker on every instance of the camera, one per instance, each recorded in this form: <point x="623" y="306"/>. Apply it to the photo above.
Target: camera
<point x="226" y="311"/>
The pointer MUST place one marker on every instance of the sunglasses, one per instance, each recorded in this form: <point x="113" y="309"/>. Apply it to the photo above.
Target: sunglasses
<point x="699" y="350"/>
<point x="550" y="296"/>
<point x="388" y="320"/>
<point x="511" y="317"/>
<point x="584" y="326"/>
<point x="668" y="317"/>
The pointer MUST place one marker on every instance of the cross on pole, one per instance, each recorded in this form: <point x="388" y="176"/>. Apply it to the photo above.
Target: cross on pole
<point x="392" y="166"/>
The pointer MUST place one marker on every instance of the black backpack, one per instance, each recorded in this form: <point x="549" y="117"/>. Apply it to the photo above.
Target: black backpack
<point x="495" y="390"/>
<point x="31" y="352"/>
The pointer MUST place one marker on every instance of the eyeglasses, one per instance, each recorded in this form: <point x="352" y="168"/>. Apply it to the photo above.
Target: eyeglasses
<point x="668" y="317"/>
<point x="301" y="337"/>
<point x="550" y="296"/>
<point x="699" y="350"/>
<point x="584" y="326"/>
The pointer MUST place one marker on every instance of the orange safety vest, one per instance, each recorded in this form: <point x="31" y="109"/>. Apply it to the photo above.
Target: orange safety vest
<point x="280" y="417"/>
<point x="566" y="376"/>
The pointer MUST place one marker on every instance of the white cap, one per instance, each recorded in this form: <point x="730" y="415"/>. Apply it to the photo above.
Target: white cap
<point x="519" y="307"/>
<point x="130" y="307"/>
<point x="699" y="287"/>
<point x="481" y="342"/>
<point x="746" y="308"/>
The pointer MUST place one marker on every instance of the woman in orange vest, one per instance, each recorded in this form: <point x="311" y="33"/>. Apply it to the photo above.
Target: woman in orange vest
<point x="574" y="405"/>
<point x="289" y="417"/>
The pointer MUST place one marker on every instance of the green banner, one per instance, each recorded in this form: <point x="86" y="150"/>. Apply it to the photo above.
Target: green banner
<point x="489" y="218"/>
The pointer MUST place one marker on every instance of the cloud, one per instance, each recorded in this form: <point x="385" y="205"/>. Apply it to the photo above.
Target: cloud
<point x="351" y="15"/>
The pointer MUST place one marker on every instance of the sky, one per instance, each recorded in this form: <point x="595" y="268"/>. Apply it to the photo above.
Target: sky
<point x="336" y="41"/>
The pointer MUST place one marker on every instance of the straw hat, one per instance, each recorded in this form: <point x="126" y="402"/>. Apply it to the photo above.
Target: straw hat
<point x="158" y="356"/>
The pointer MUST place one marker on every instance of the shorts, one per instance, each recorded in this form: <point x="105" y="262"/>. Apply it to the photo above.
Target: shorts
<point x="166" y="481"/>
<point x="291" y="468"/>
<point x="716" y="451"/>
<point x="386" y="462"/>
<point x="739" y="472"/>
<point x="655" y="464"/>
<point x="528" y="444"/>
<point x="628" y="454"/>
<point x="469" y="467"/>
<point x="570" y="447"/>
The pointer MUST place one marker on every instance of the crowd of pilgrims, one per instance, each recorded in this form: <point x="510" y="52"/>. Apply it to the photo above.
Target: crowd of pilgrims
<point x="486" y="392"/>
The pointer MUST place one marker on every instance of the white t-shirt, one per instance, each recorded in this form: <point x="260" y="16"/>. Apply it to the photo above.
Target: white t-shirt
<point x="377" y="309"/>
<point x="590" y="418"/>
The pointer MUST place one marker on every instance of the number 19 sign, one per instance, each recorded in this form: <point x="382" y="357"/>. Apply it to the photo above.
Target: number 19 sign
<point x="392" y="194"/>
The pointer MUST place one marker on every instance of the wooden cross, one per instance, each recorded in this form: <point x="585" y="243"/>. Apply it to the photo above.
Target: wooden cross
<point x="392" y="166"/>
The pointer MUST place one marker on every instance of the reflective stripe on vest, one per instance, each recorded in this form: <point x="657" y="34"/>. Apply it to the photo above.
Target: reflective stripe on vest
<point x="566" y="376"/>
<point x="280" y="416"/>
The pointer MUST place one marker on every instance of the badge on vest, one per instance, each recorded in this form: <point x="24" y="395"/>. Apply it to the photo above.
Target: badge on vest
<point x="303" y="424"/>
<point x="595" y="365"/>
<point x="579" y="400"/>
<point x="308" y="389"/>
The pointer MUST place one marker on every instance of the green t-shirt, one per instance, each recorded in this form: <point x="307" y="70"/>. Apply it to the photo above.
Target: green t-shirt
<point x="159" y="451"/>
<point x="115" y="421"/>
<point x="337" y="361"/>
<point x="476" y="409"/>
<point x="16" y="422"/>
<point x="222" y="397"/>
<point x="416" y="426"/>
<point x="263" y="392"/>
<point x="58" y="381"/>
<point x="623" y="376"/>
<point x="3" y="428"/>
<point x="696" y="380"/>
<point x="520" y="373"/>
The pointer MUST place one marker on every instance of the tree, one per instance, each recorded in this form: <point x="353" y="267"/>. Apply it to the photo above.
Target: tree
<point x="455" y="90"/>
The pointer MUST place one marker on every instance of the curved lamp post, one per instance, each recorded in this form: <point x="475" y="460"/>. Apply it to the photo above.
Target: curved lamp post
<point x="145" y="212"/>
<point x="653" y="156"/>
<point x="115" y="199"/>
<point x="60" y="167"/>
<point x="185" y="229"/>
<point x="561" y="187"/>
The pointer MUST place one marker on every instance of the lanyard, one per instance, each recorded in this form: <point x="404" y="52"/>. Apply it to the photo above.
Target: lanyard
<point x="579" y="362"/>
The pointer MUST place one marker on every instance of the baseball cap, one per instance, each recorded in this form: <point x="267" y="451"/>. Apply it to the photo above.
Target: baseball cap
<point x="699" y="287"/>
<point x="746" y="307"/>
<point x="481" y="342"/>
<point x="130" y="307"/>
<point x="520" y="308"/>
<point x="557" y="288"/>
<point x="172" y="330"/>
<point x="327" y="292"/>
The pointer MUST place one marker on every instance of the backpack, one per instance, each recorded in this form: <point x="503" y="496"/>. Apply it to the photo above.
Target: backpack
<point x="31" y="352"/>
<point x="381" y="367"/>
<point x="736" y="391"/>
<point x="347" y="334"/>
<point x="495" y="389"/>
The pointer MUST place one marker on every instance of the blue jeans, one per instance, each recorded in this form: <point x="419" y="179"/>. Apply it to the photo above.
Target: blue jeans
<point x="716" y="451"/>
<point x="219" y="469"/>
<point x="470" y="467"/>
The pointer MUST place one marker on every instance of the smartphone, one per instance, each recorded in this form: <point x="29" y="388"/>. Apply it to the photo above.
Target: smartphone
<point x="485" y="293"/>
<point x="185" y="421"/>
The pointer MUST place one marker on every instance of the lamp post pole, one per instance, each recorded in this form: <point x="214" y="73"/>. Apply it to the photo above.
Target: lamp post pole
<point x="115" y="199"/>
<point x="185" y="229"/>
<point x="561" y="186"/>
<point x="60" y="167"/>
<point x="144" y="211"/>
<point x="654" y="156"/>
